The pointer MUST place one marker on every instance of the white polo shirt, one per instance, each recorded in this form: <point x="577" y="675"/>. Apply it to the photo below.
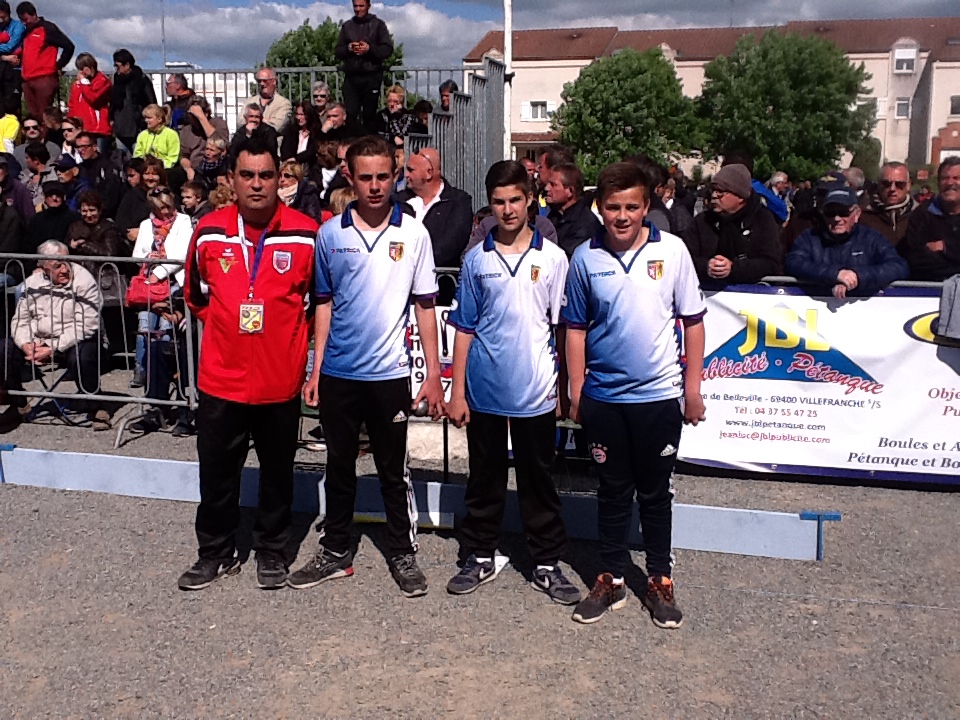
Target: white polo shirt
<point x="629" y="305"/>
<point x="509" y="303"/>
<point x="371" y="277"/>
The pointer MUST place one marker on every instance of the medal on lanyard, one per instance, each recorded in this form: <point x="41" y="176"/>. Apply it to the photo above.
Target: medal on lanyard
<point x="251" y="311"/>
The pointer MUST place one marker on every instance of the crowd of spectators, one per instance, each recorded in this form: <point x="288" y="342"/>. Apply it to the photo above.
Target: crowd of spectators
<point x="112" y="170"/>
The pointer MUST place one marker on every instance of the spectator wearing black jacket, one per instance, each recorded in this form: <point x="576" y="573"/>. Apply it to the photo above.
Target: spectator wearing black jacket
<point x="51" y="223"/>
<point x="446" y="211"/>
<point x="132" y="92"/>
<point x="932" y="244"/>
<point x="570" y="212"/>
<point x="253" y="127"/>
<point x="299" y="140"/>
<point x="100" y="172"/>
<point x="737" y="240"/>
<point x="13" y="192"/>
<point x="12" y="231"/>
<point x="850" y="258"/>
<point x="364" y="46"/>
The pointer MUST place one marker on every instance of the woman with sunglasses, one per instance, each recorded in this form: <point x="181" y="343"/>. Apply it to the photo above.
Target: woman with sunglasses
<point x="297" y="192"/>
<point x="71" y="127"/>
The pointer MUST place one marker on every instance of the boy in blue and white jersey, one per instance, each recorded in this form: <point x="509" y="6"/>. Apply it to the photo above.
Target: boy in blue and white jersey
<point x="505" y="372"/>
<point x="626" y="291"/>
<point x="370" y="261"/>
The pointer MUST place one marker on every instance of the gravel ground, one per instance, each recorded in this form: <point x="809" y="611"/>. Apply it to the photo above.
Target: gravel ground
<point x="95" y="627"/>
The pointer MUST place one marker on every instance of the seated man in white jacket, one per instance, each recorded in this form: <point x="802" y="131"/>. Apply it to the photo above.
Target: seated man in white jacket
<point x="57" y="321"/>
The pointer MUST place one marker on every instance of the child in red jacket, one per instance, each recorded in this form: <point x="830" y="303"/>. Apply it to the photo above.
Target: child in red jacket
<point x="90" y="100"/>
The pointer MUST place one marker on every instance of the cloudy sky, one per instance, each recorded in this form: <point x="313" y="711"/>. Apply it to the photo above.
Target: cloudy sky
<point x="236" y="34"/>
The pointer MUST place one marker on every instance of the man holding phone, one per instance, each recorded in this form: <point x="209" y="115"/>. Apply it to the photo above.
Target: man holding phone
<point x="363" y="46"/>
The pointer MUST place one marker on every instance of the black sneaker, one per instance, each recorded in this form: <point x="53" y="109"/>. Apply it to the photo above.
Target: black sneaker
<point x="604" y="596"/>
<point x="473" y="575"/>
<point x="556" y="586"/>
<point x="152" y="421"/>
<point x="205" y="571"/>
<point x="183" y="429"/>
<point x="139" y="378"/>
<point x="409" y="576"/>
<point x="327" y="565"/>
<point x="661" y="603"/>
<point x="271" y="570"/>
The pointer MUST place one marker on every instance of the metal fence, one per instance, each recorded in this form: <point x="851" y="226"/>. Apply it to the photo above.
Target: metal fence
<point x="43" y="313"/>
<point x="470" y="136"/>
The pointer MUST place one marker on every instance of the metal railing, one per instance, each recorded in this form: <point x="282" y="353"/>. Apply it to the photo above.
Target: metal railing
<point x="67" y="313"/>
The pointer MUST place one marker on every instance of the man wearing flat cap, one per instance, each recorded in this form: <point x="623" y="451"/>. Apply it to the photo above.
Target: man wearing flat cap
<point x="737" y="240"/>
<point x="843" y="255"/>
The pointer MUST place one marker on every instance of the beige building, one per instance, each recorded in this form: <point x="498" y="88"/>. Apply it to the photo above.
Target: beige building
<point x="914" y="66"/>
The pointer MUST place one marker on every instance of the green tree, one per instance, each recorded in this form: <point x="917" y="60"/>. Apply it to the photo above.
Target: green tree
<point x="629" y="103"/>
<point x="867" y="156"/>
<point x="789" y="101"/>
<point x="310" y="47"/>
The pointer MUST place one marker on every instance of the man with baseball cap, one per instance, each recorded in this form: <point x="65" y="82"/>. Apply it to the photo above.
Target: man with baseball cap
<point x="850" y="258"/>
<point x="738" y="239"/>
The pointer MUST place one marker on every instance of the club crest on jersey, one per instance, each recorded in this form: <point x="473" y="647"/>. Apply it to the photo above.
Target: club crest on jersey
<point x="598" y="453"/>
<point x="396" y="251"/>
<point x="282" y="261"/>
<point x="655" y="269"/>
<point x="534" y="273"/>
<point x="226" y="263"/>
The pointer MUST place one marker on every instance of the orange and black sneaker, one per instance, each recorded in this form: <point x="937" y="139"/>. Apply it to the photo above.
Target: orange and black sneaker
<point x="661" y="603"/>
<point x="606" y="595"/>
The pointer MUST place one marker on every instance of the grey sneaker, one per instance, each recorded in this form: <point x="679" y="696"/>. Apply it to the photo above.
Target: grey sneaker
<point x="473" y="575"/>
<point x="409" y="576"/>
<point x="271" y="570"/>
<point x="556" y="586"/>
<point x="205" y="571"/>
<point x="327" y="565"/>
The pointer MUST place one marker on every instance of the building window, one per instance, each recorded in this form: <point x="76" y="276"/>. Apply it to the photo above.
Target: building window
<point x="955" y="105"/>
<point x="537" y="110"/>
<point x="903" y="108"/>
<point x="905" y="60"/>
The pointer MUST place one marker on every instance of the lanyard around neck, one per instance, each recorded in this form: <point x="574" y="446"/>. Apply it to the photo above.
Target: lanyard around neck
<point x="256" y="256"/>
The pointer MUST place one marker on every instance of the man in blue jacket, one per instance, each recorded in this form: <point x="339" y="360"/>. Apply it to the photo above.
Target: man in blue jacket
<point x="11" y="39"/>
<point x="850" y="258"/>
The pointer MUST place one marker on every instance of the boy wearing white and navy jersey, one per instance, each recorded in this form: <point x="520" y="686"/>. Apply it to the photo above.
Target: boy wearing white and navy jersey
<point x="626" y="291"/>
<point x="505" y="371"/>
<point x="370" y="261"/>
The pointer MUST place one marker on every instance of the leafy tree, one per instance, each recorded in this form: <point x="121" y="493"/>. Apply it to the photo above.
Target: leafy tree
<point x="629" y="103"/>
<point x="789" y="101"/>
<point x="867" y="156"/>
<point x="310" y="47"/>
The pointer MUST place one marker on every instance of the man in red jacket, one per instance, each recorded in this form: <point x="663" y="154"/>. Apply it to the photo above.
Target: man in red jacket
<point x="248" y="270"/>
<point x="41" y="66"/>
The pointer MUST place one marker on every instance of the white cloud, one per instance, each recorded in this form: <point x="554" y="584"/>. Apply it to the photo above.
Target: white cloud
<point x="236" y="37"/>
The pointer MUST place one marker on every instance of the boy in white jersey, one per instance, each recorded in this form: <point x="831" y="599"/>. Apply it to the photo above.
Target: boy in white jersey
<point x="370" y="261"/>
<point x="505" y="370"/>
<point x="626" y="290"/>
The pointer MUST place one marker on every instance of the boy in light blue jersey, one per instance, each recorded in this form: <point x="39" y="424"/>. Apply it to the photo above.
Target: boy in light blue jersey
<point x="370" y="262"/>
<point x="626" y="291"/>
<point x="505" y="372"/>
